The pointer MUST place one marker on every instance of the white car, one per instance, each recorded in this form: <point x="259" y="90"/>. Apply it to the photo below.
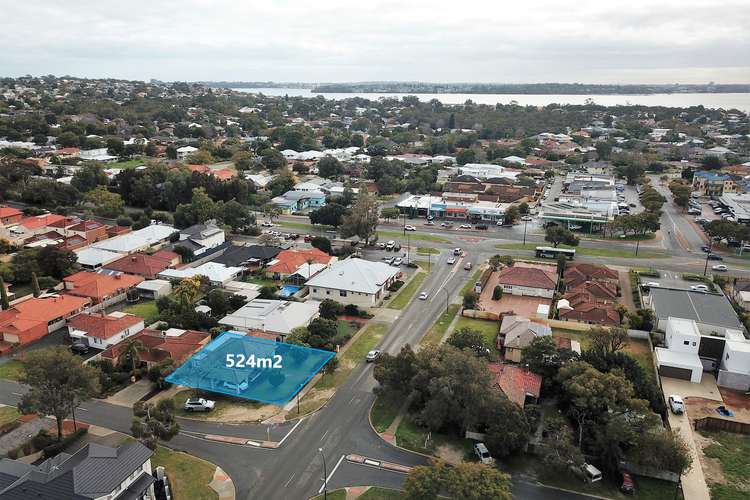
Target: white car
<point x="199" y="404"/>
<point x="409" y="227"/>
<point x="266" y="224"/>
<point x="650" y="284"/>
<point x="527" y="218"/>
<point x="483" y="454"/>
<point x="372" y="356"/>
<point x="676" y="404"/>
<point x="451" y="261"/>
<point x="397" y="261"/>
<point x="699" y="288"/>
<point x="720" y="267"/>
<point x="423" y="296"/>
<point x="465" y="226"/>
<point x="429" y="223"/>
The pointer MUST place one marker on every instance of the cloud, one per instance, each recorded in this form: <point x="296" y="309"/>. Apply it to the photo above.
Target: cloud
<point x="638" y="41"/>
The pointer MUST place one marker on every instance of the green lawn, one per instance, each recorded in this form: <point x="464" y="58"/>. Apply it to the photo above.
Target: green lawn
<point x="592" y="252"/>
<point x="469" y="285"/>
<point x="488" y="329"/>
<point x="414" y="236"/>
<point x="640" y="350"/>
<point x="333" y="495"/>
<point x="573" y="335"/>
<point x="11" y="370"/>
<point x="733" y="452"/>
<point x="383" y="412"/>
<point x="377" y="493"/>
<point x="188" y="475"/>
<point x="412" y="437"/>
<point x="344" y="328"/>
<point x="135" y="162"/>
<point x="404" y="296"/>
<point x="259" y="281"/>
<point x="146" y="309"/>
<point x="647" y="488"/>
<point x="9" y="414"/>
<point x="428" y="251"/>
<point x="353" y="355"/>
<point x="438" y="329"/>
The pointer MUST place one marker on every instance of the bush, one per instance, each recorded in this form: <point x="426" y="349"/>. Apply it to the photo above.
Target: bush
<point x="56" y="448"/>
<point x="352" y="310"/>
<point x="497" y="293"/>
<point x="42" y="440"/>
<point x="470" y="299"/>
<point x="395" y="286"/>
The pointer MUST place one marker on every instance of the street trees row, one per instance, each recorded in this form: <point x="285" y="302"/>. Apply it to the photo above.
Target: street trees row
<point x="467" y="481"/>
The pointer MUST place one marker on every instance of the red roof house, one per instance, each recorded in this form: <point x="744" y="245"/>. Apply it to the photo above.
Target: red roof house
<point x="585" y="308"/>
<point x="101" y="331"/>
<point x="141" y="264"/>
<point x="576" y="274"/>
<point x="531" y="281"/>
<point x="288" y="261"/>
<point x="34" y="318"/>
<point x="9" y="215"/>
<point x="600" y="290"/>
<point x="101" y="289"/>
<point x="520" y="385"/>
<point x="174" y="344"/>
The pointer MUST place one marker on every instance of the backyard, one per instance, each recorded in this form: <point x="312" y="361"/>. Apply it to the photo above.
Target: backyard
<point x="731" y="453"/>
<point x="145" y="309"/>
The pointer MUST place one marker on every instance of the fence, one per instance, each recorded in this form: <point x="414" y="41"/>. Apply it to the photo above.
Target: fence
<point x="485" y="277"/>
<point x="641" y="470"/>
<point x="473" y="313"/>
<point x="720" y="424"/>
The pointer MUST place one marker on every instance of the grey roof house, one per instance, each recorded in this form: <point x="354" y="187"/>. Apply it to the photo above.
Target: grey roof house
<point x="93" y="472"/>
<point x="712" y="312"/>
<point x="354" y="281"/>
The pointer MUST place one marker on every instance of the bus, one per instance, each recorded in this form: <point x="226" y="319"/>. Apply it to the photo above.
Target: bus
<point x="554" y="253"/>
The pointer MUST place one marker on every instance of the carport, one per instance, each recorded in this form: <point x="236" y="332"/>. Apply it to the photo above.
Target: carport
<point x="679" y="365"/>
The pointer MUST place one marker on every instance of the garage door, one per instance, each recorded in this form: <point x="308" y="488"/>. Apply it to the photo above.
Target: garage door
<point x="675" y="372"/>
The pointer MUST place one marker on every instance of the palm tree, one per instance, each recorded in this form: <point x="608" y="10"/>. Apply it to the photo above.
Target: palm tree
<point x="132" y="351"/>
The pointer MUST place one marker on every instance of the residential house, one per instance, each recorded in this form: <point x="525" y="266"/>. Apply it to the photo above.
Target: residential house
<point x="151" y="237"/>
<point x="34" y="318"/>
<point x="528" y="281"/>
<point x="354" y="281"/>
<point x="581" y="272"/>
<point x="712" y="312"/>
<point x="680" y="359"/>
<point x="95" y="258"/>
<point x="101" y="331"/>
<point x="520" y="385"/>
<point x="713" y="184"/>
<point x="93" y="472"/>
<point x="159" y="346"/>
<point x="601" y="291"/>
<point x="202" y="239"/>
<point x="278" y="317"/>
<point x="140" y="264"/>
<point x="297" y="201"/>
<point x="583" y="307"/>
<point x="249" y="257"/>
<point x="516" y="333"/>
<point x="10" y="216"/>
<point x="103" y="290"/>
<point x="185" y="151"/>
<point x="287" y="262"/>
<point x="217" y="274"/>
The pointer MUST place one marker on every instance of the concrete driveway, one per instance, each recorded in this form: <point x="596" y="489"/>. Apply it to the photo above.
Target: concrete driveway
<point x="694" y="485"/>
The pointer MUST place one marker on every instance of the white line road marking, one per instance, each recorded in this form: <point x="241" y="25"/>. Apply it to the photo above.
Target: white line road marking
<point x="328" y="479"/>
<point x="289" y="433"/>
<point x="324" y="434"/>
<point x="290" y="480"/>
<point x="16" y="393"/>
<point x="82" y="409"/>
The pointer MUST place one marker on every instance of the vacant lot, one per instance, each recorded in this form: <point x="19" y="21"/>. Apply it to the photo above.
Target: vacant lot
<point x="732" y="451"/>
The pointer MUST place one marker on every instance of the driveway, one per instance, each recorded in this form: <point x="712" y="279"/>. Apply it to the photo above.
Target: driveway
<point x="131" y="394"/>
<point x="694" y="485"/>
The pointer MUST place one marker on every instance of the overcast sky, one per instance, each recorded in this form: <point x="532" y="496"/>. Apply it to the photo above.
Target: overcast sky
<point x="590" y="41"/>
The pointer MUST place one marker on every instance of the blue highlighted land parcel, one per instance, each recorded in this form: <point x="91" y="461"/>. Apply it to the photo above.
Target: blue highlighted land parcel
<point x="251" y="368"/>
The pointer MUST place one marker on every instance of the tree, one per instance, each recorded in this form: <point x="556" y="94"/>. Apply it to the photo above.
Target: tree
<point x="154" y="422"/>
<point x="200" y="157"/>
<point x="390" y="213"/>
<point x="473" y="481"/>
<point x="362" y="220"/>
<point x="331" y="214"/>
<point x="558" y="234"/>
<point x="58" y="383"/>
<point x="236" y="215"/>
<point x="115" y="146"/>
<point x="89" y="177"/>
<point x="272" y="159"/>
<point x="200" y="209"/>
<point x="330" y="168"/>
<point x="606" y="341"/>
<point x="35" y="285"/>
<point x="712" y="162"/>
<point x="267" y="292"/>
<point x="470" y="299"/>
<point x="188" y="290"/>
<point x="106" y="203"/>
<point x="543" y="357"/>
<point x="511" y="214"/>
<point x="132" y="352"/>
<point x="680" y="192"/>
<point x="503" y="422"/>
<point x="217" y="301"/>
<point x="662" y="450"/>
<point x="425" y="482"/>
<point x="330" y="309"/>
<point x="523" y="208"/>
<point x="394" y="373"/>
<point x="560" y="449"/>
<point x="466" y="338"/>
<point x="466" y="156"/>
<point x="321" y="243"/>
<point x="4" y="302"/>
<point x="281" y="183"/>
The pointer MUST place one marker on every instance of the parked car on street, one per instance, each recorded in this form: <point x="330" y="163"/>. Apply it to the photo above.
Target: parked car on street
<point x="465" y="226"/>
<point x="699" y="288"/>
<point x="456" y="251"/>
<point x="467" y="266"/>
<point x="713" y="256"/>
<point x="199" y="404"/>
<point x="409" y="227"/>
<point x="451" y="261"/>
<point x="720" y="267"/>
<point x="483" y="454"/>
<point x="372" y="356"/>
<point x="527" y="218"/>
<point x="423" y="296"/>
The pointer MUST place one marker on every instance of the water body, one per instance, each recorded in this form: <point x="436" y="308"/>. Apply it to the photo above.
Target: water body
<point x="726" y="101"/>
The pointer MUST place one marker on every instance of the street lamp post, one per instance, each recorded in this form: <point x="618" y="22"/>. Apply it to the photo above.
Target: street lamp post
<point x="708" y="254"/>
<point x="325" y="475"/>
<point x="525" y="223"/>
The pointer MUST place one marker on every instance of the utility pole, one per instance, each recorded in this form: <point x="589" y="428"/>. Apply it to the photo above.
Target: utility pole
<point x="325" y="475"/>
<point x="637" y="243"/>
<point x="710" y="242"/>
<point x="525" y="223"/>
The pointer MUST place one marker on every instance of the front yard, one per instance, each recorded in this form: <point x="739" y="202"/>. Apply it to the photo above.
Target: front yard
<point x="189" y="476"/>
<point x="488" y="329"/>
<point x="404" y="296"/>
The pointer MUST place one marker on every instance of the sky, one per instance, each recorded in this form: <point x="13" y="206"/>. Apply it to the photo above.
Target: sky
<point x="504" y="41"/>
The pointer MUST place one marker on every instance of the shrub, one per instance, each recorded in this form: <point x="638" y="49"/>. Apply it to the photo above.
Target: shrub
<point x="470" y="299"/>
<point x="497" y="293"/>
<point x="394" y="287"/>
<point x="55" y="448"/>
<point x="352" y="310"/>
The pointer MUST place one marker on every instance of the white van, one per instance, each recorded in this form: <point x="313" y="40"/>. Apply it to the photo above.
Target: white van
<point x="592" y="473"/>
<point x="483" y="454"/>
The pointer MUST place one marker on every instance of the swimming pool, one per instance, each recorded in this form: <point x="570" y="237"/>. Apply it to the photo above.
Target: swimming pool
<point x="288" y="290"/>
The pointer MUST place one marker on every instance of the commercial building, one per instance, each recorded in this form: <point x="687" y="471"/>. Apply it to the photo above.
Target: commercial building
<point x="738" y="205"/>
<point x="453" y="206"/>
<point x="713" y="184"/>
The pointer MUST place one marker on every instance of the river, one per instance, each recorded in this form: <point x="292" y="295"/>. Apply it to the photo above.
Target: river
<point x="726" y="101"/>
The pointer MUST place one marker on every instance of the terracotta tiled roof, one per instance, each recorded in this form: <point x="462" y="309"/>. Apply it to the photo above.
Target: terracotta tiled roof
<point x="37" y="221"/>
<point x="592" y="312"/>
<point x="601" y="290"/>
<point x="516" y="382"/>
<point x="288" y="261"/>
<point x="141" y="264"/>
<point x="575" y="274"/>
<point x="29" y="320"/>
<point x="9" y="212"/>
<point x="99" y="286"/>
<point x="103" y="327"/>
<point x="159" y="347"/>
<point x="526" y="276"/>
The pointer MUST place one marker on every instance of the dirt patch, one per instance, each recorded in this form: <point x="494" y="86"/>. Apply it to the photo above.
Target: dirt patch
<point x="737" y="402"/>
<point x="626" y="291"/>
<point x="312" y="401"/>
<point x="711" y="466"/>
<point x="243" y="414"/>
<point x="450" y="454"/>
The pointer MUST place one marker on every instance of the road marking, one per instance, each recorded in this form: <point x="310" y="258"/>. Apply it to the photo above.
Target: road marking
<point x="16" y="393"/>
<point x="324" y="434"/>
<point x="289" y="433"/>
<point x="328" y="479"/>
<point x="82" y="409"/>
<point x="290" y="480"/>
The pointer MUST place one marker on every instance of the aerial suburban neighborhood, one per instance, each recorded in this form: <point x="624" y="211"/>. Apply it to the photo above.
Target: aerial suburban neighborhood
<point x="376" y="289"/>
